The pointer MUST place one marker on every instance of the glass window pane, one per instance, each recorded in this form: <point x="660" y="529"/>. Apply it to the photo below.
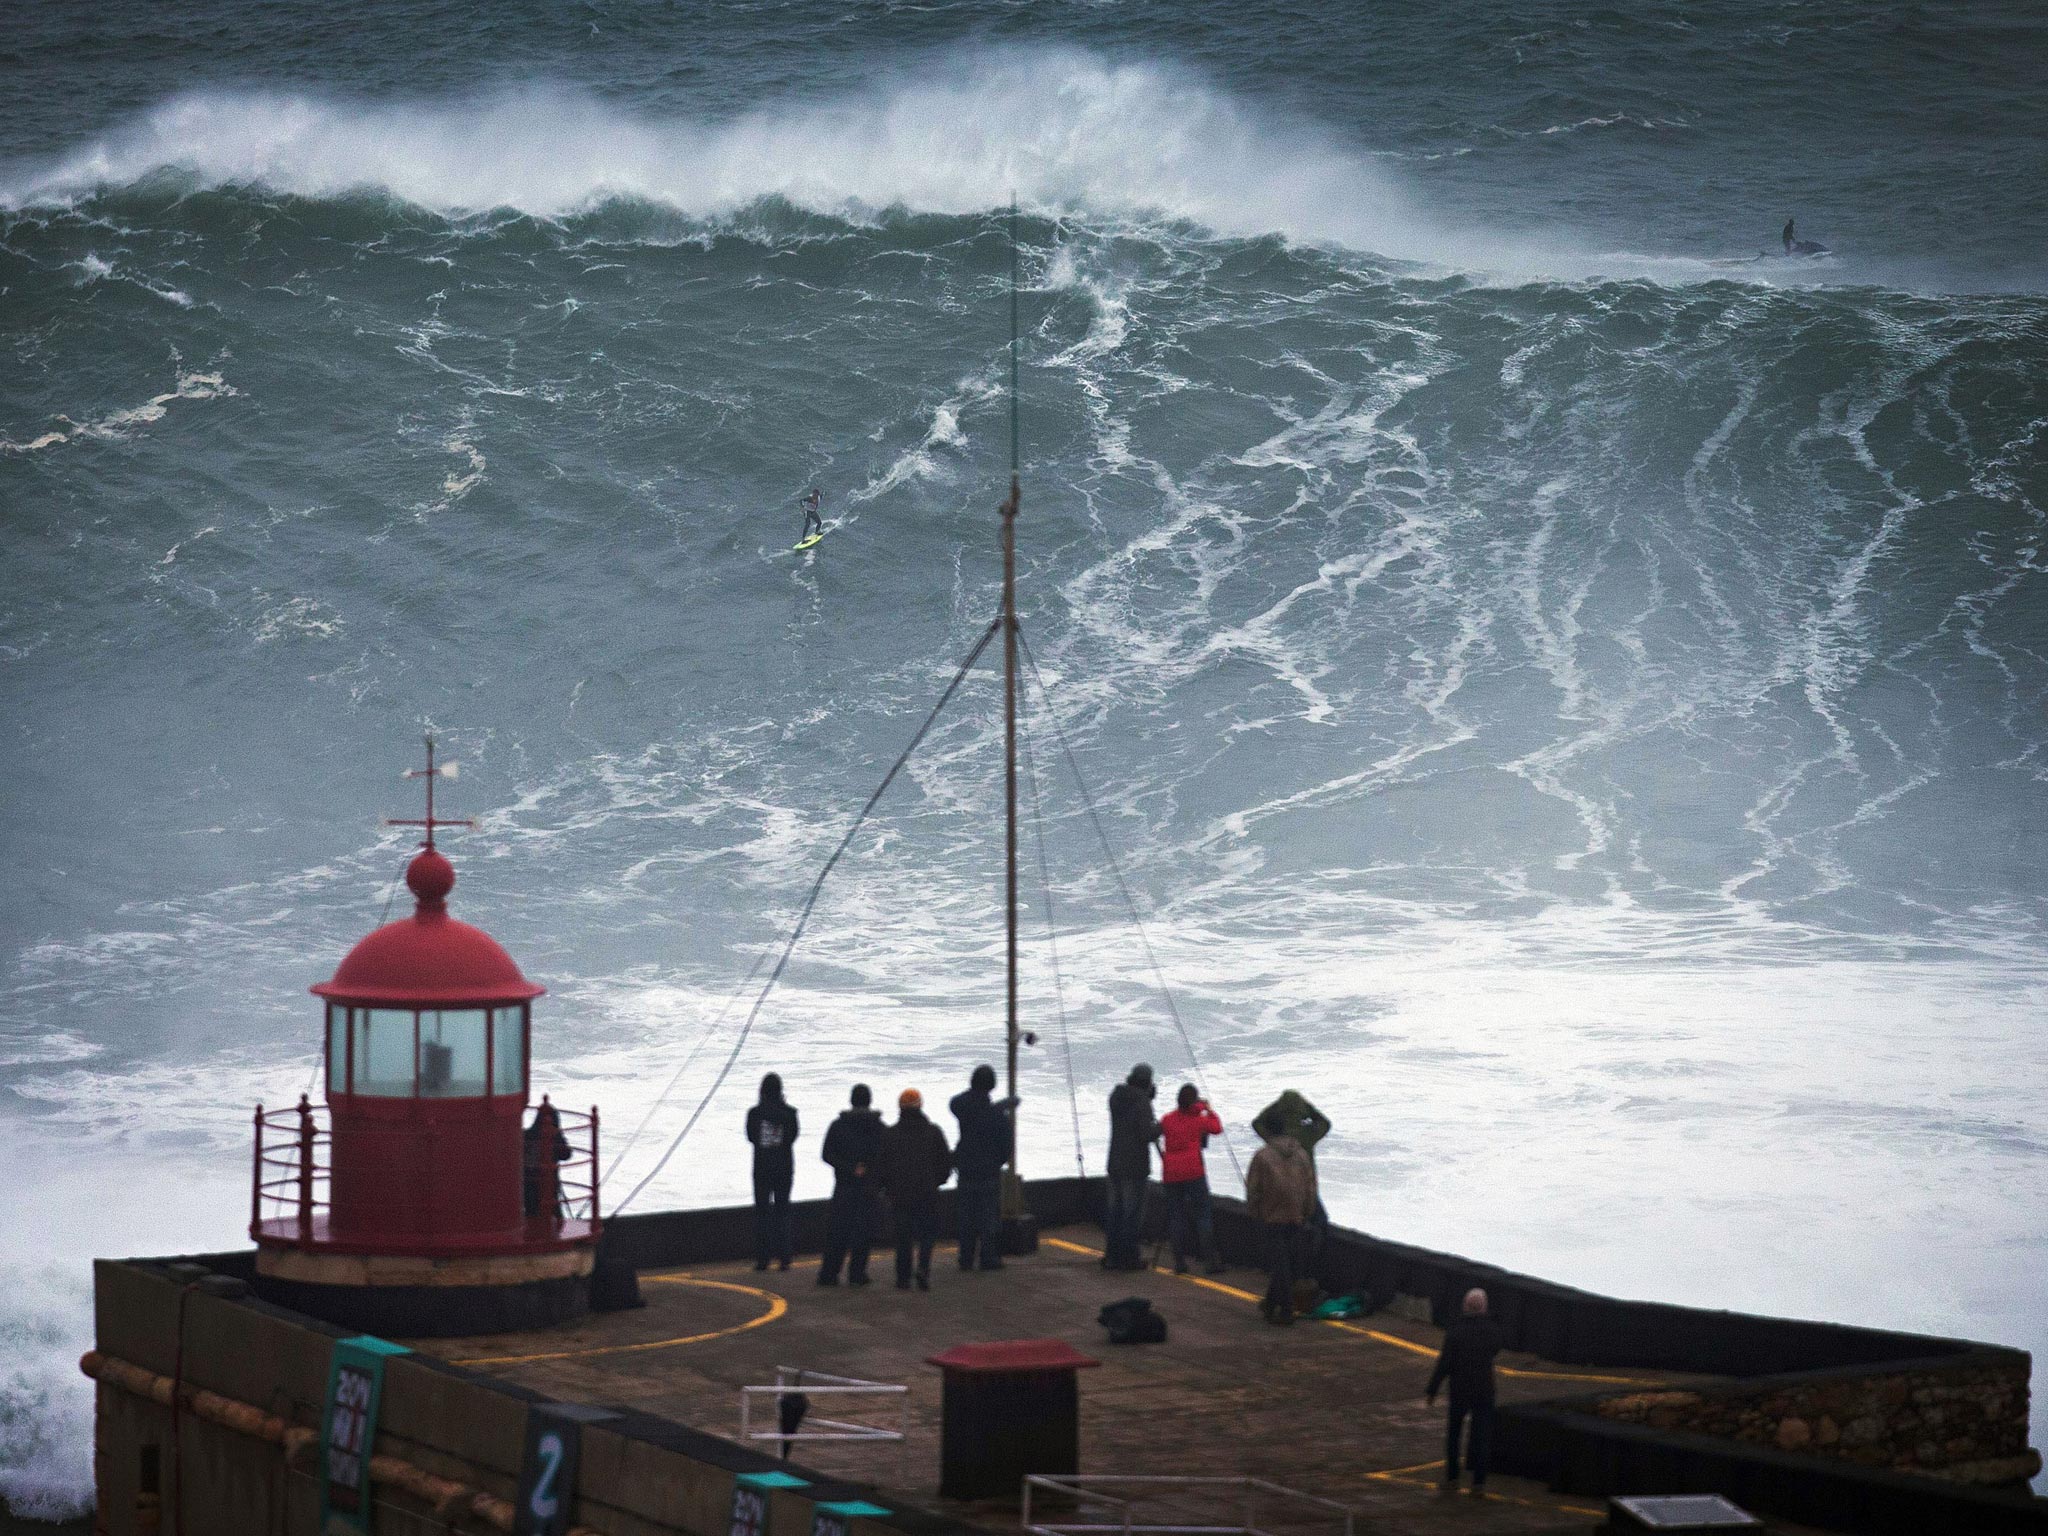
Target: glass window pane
<point x="507" y="1072"/>
<point x="383" y="1042"/>
<point x="451" y="1053"/>
<point x="337" y="1048"/>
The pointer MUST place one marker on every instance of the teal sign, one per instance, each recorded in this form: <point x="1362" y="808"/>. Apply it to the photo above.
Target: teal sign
<point x="834" y="1518"/>
<point x="348" y="1431"/>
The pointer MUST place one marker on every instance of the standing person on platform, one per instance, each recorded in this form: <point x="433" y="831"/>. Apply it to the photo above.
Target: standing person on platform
<point x="1466" y="1362"/>
<point x="543" y="1148"/>
<point x="1132" y="1130"/>
<point x="1183" y="1132"/>
<point x="915" y="1162"/>
<point x="853" y="1146"/>
<point x="1293" y="1115"/>
<point x="1280" y="1194"/>
<point x="771" y="1128"/>
<point x="980" y="1153"/>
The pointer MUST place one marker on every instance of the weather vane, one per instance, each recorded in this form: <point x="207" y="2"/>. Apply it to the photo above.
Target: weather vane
<point x="430" y="821"/>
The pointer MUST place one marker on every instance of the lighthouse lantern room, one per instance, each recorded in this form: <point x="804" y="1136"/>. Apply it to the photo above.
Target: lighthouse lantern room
<point x="423" y="1198"/>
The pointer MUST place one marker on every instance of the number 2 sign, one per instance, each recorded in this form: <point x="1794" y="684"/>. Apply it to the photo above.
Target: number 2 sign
<point x="547" y="1475"/>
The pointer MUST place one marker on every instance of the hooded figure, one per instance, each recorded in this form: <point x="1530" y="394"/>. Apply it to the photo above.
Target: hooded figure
<point x="1466" y="1362"/>
<point x="853" y="1146"/>
<point x="772" y="1130"/>
<point x="542" y="1148"/>
<point x="984" y="1146"/>
<point x="1293" y="1115"/>
<point x="915" y="1162"/>
<point x="1132" y="1130"/>
<point x="1280" y="1193"/>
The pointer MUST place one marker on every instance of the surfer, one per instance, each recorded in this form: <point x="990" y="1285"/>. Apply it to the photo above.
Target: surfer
<point x="1797" y="247"/>
<point x="815" y="498"/>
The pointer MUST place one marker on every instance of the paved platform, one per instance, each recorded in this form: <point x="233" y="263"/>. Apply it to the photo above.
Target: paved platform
<point x="1330" y="1408"/>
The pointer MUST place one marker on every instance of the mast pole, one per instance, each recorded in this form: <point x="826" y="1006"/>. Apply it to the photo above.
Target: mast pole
<point x="1010" y="691"/>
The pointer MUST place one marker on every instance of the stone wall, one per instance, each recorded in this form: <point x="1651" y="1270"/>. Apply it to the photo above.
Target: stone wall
<point x="1964" y="1420"/>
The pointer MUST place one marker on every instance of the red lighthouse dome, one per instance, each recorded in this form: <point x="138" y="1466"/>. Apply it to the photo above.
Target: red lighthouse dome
<point x="429" y="957"/>
<point x="436" y="1207"/>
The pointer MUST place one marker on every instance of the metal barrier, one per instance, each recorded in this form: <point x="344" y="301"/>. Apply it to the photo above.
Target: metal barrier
<point x="1097" y="1504"/>
<point x="291" y="1187"/>
<point x="791" y="1379"/>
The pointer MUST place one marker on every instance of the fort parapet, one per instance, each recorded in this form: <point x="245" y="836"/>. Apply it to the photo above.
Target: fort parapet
<point x="210" y="1399"/>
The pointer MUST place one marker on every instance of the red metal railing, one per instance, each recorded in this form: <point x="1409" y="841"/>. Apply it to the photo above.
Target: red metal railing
<point x="576" y="1176"/>
<point x="294" y="1152"/>
<point x="291" y="1185"/>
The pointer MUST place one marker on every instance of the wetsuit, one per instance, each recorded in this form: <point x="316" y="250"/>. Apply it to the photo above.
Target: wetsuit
<point x="810" y="504"/>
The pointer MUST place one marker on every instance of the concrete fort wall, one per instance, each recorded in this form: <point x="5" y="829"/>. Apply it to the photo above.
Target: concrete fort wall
<point x="640" y="1475"/>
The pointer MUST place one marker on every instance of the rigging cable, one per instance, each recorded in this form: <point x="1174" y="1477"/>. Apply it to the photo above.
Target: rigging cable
<point x="1116" y="870"/>
<point x="804" y="915"/>
<point x="703" y="1040"/>
<point x="1053" y="942"/>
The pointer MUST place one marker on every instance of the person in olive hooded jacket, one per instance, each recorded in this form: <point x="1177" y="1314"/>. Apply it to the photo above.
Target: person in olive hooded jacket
<point x="853" y="1146"/>
<point x="1280" y="1194"/>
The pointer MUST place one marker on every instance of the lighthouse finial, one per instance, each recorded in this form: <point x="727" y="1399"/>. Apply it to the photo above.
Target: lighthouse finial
<point x="430" y="820"/>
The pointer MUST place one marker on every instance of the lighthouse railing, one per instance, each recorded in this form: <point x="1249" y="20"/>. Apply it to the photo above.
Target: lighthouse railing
<point x="294" y="1153"/>
<point x="576" y="1178"/>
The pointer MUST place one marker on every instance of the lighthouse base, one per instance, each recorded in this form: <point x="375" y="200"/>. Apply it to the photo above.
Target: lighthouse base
<point x="408" y="1297"/>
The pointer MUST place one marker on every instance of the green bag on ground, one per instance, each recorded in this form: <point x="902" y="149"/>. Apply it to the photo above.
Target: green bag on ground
<point x="1340" y="1306"/>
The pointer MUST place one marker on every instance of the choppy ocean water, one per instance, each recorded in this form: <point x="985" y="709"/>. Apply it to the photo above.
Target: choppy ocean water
<point x="1569" y="694"/>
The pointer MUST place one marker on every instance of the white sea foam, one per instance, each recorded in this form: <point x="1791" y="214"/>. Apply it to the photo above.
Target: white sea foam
<point x="123" y="423"/>
<point x="1067" y="131"/>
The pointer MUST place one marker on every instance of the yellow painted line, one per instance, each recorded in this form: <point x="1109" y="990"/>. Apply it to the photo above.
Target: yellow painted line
<point x="1405" y="1476"/>
<point x="776" y="1307"/>
<point x="1394" y="1472"/>
<point x="1426" y="1350"/>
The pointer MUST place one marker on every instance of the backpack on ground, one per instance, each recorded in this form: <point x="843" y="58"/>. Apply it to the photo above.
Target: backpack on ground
<point x="1132" y="1321"/>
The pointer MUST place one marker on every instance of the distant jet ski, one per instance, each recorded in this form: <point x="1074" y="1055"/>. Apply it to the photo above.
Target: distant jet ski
<point x="1797" y="247"/>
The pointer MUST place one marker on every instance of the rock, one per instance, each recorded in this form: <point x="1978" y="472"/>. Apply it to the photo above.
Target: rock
<point x="1827" y="1432"/>
<point x="1794" y="1434"/>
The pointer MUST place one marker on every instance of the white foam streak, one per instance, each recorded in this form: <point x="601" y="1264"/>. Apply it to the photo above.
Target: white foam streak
<point x="1067" y="131"/>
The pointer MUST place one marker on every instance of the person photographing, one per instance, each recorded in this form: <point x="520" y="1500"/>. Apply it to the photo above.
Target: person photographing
<point x="1184" y="1132"/>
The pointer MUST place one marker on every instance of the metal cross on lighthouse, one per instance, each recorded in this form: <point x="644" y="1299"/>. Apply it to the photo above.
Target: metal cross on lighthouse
<point x="430" y="820"/>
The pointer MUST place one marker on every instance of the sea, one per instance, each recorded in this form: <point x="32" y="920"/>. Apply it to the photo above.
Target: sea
<point x="1511" y="654"/>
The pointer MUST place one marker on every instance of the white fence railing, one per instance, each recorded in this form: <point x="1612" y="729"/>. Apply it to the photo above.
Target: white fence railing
<point x="791" y="1379"/>
<point x="1106" y="1503"/>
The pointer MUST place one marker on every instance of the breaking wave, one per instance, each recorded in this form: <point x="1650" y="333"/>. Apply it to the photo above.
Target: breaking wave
<point x="1066" y="131"/>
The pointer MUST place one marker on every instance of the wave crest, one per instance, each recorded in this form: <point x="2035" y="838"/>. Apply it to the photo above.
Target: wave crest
<point x="1067" y="132"/>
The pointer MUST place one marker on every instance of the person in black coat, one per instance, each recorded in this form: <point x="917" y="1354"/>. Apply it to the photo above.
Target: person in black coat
<point x="982" y="1150"/>
<point x="853" y="1146"/>
<point x="915" y="1162"/>
<point x="1132" y="1130"/>
<point x="1466" y="1362"/>
<point x="771" y="1129"/>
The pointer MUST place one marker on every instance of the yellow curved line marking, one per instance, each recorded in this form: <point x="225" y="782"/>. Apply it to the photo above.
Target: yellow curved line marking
<point x="777" y="1306"/>
<point x="1373" y="1333"/>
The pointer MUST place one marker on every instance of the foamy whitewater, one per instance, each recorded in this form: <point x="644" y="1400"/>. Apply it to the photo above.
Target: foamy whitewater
<point x="1567" y="689"/>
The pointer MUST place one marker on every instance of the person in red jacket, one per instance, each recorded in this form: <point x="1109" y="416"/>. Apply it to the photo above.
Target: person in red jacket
<point x="1183" y="1132"/>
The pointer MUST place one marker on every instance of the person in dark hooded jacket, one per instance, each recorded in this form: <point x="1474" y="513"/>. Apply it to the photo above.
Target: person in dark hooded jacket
<point x="1466" y="1362"/>
<point x="1132" y="1130"/>
<point x="915" y="1162"/>
<point x="979" y="1155"/>
<point x="853" y="1146"/>
<point x="772" y="1128"/>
